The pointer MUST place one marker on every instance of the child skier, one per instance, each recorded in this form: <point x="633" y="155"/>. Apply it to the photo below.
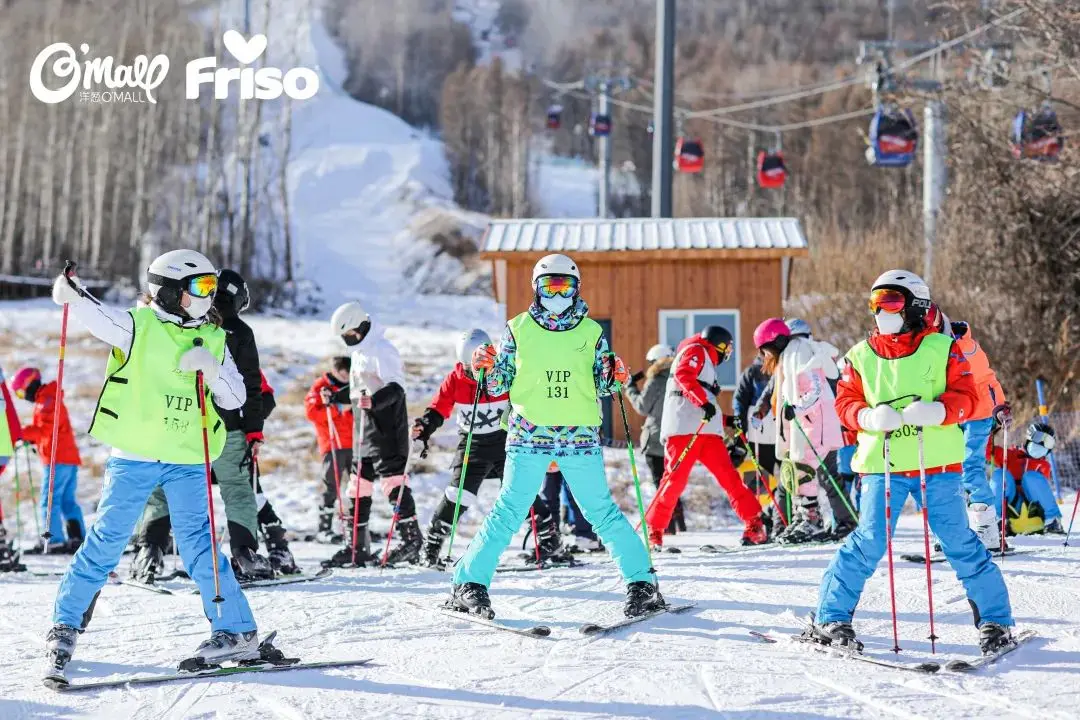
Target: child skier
<point x="554" y="363"/>
<point x="487" y="456"/>
<point x="149" y="412"/>
<point x="690" y="406"/>
<point x="67" y="516"/>
<point x="1029" y="465"/>
<point x="329" y="409"/>
<point x="907" y="380"/>
<point x="377" y="390"/>
<point x="10" y="433"/>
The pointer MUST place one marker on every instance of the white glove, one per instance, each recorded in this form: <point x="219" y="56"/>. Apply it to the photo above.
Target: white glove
<point x="924" y="414"/>
<point x="200" y="359"/>
<point x="62" y="291"/>
<point x="882" y="418"/>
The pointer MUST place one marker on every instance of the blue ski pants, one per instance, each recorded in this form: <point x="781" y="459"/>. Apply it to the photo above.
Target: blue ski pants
<point x="65" y="507"/>
<point x="860" y="554"/>
<point x="128" y="485"/>
<point x="1036" y="489"/>
<point x="587" y="480"/>
<point x="976" y="483"/>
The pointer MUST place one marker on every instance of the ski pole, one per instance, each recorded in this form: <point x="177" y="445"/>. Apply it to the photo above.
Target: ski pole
<point x="1044" y="417"/>
<point x="821" y="464"/>
<point x="69" y="270"/>
<point x="200" y="388"/>
<point x="926" y="539"/>
<point x="536" y="537"/>
<point x="465" y="465"/>
<point x="356" y="484"/>
<point x="678" y="462"/>
<point x="402" y="489"/>
<point x="1067" y="534"/>
<point x="334" y="445"/>
<point x="634" y="472"/>
<point x="888" y="542"/>
<point x="761" y="475"/>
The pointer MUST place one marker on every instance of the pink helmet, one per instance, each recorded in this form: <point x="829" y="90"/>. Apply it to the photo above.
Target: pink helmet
<point x="23" y="380"/>
<point x="768" y="331"/>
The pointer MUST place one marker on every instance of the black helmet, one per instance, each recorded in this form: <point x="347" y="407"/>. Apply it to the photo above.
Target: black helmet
<point x="719" y="338"/>
<point x="232" y="291"/>
<point x="1040" y="434"/>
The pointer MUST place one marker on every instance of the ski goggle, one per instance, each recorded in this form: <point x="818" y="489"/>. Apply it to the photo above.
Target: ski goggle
<point x="550" y="286"/>
<point x="1041" y="438"/>
<point x="202" y="286"/>
<point x="891" y="301"/>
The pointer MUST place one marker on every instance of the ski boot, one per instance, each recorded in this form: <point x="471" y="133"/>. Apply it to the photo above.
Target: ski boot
<point x="325" y="534"/>
<point x="994" y="637"/>
<point x="756" y="532"/>
<point x="408" y="548"/>
<point x="986" y="525"/>
<point x="642" y="597"/>
<point x="585" y="545"/>
<point x="806" y="527"/>
<point x="470" y="598"/>
<point x="249" y="566"/>
<point x="277" y="550"/>
<point x="148" y="565"/>
<point x="9" y="559"/>
<point x="431" y="555"/>
<point x="841" y="531"/>
<point x="343" y="558"/>
<point x="223" y="646"/>
<point x="838" y="633"/>
<point x="74" y="532"/>
<point x="550" y="544"/>
<point x="59" y="646"/>
<point x="1054" y="527"/>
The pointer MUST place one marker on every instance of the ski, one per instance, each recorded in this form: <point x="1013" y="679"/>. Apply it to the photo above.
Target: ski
<point x="535" y="631"/>
<point x="724" y="550"/>
<point x="940" y="558"/>
<point x="535" y="568"/>
<point x="926" y="668"/>
<point x="595" y="629"/>
<point x="287" y="580"/>
<point x="969" y="665"/>
<point x="61" y="684"/>
<point x="117" y="580"/>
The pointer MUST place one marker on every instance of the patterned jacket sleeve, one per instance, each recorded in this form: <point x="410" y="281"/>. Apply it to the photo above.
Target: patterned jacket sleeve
<point x="501" y="377"/>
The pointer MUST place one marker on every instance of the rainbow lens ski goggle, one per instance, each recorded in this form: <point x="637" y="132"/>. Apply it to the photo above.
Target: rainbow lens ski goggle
<point x="891" y="301"/>
<point x="550" y="286"/>
<point x="202" y="286"/>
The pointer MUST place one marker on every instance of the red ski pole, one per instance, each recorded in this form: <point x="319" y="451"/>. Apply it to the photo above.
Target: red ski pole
<point x="334" y="445"/>
<point x="69" y="270"/>
<point x="199" y="386"/>
<point x="888" y="542"/>
<point x="1073" y="518"/>
<point x="356" y="484"/>
<point x="1004" y="500"/>
<point x="926" y="540"/>
<point x="397" y="512"/>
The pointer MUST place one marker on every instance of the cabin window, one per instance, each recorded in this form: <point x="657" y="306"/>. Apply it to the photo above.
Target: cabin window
<point x="677" y="325"/>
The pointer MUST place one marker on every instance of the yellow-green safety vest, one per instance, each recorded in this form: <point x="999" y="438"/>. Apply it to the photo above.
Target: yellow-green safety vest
<point x="7" y="448"/>
<point x="899" y="382"/>
<point x="148" y="407"/>
<point x="553" y="383"/>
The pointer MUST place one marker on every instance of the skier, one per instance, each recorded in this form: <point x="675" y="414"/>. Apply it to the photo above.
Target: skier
<point x="148" y="411"/>
<point x="10" y="434"/>
<point x="487" y="455"/>
<point x="334" y="436"/>
<point x="1030" y="465"/>
<point x="67" y="516"/>
<point x="648" y="401"/>
<point x="691" y="416"/>
<point x="554" y="362"/>
<point x="906" y="379"/>
<point x="377" y="390"/>
<point x="233" y="469"/>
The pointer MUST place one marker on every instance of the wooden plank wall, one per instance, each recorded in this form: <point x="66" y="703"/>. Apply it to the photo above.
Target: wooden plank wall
<point x="631" y="294"/>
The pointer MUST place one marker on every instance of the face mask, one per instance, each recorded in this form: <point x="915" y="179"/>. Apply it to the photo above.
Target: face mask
<point x="1036" y="451"/>
<point x="198" y="307"/>
<point x="351" y="340"/>
<point x="889" y="323"/>
<point x="557" y="304"/>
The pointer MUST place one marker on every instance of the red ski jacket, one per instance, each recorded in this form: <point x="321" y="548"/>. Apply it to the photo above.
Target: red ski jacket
<point x="1020" y="462"/>
<point x="316" y="413"/>
<point x="39" y="431"/>
<point x="689" y="366"/>
<point x="455" y="397"/>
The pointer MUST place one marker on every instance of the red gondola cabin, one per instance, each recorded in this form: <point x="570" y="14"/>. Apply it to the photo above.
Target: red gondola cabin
<point x="771" y="171"/>
<point x="689" y="155"/>
<point x="554" y="117"/>
<point x="600" y="125"/>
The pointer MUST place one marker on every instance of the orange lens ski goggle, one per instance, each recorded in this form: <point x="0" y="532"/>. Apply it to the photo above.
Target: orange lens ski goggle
<point x="551" y="286"/>
<point x="891" y="301"/>
<point x="202" y="285"/>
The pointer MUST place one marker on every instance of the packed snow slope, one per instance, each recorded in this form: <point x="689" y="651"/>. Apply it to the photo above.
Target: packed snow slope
<point x="703" y="664"/>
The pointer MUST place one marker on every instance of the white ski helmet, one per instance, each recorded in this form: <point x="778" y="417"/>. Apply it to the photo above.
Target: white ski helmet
<point x="170" y="275"/>
<point x="555" y="265"/>
<point x="468" y="342"/>
<point x="908" y="282"/>
<point x="348" y="317"/>
<point x="659" y="352"/>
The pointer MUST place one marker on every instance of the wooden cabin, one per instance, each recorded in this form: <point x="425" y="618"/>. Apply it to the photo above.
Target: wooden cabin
<point x="656" y="280"/>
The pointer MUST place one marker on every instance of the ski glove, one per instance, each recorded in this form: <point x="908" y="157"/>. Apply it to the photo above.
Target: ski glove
<point x="199" y="359"/>
<point x="789" y="412"/>
<point x="737" y="454"/>
<point x="616" y="369"/>
<point x="883" y="418"/>
<point x="735" y="422"/>
<point x="710" y="411"/>
<point x="924" y="414"/>
<point x="67" y="290"/>
<point x="637" y="377"/>
<point x="483" y="357"/>
<point x="254" y="437"/>
<point x="1003" y="415"/>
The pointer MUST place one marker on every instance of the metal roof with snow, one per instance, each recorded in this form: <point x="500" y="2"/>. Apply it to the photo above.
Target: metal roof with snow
<point x="737" y="236"/>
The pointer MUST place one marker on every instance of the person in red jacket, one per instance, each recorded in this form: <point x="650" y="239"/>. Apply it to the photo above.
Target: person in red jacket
<point x="67" y="516"/>
<point x="690" y="407"/>
<point x="487" y="454"/>
<point x="329" y="409"/>
<point x="1028" y="467"/>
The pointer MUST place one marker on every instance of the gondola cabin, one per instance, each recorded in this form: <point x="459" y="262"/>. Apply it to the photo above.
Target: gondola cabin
<point x="554" y="117"/>
<point x="1037" y="137"/>
<point x="894" y="138"/>
<point x="600" y="125"/>
<point x="771" y="171"/>
<point x="689" y="155"/>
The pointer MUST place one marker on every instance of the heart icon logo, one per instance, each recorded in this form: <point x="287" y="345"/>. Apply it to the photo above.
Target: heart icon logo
<point x="245" y="51"/>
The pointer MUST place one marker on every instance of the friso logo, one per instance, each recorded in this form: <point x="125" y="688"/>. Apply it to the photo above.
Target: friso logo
<point x="144" y="73"/>
<point x="266" y="83"/>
